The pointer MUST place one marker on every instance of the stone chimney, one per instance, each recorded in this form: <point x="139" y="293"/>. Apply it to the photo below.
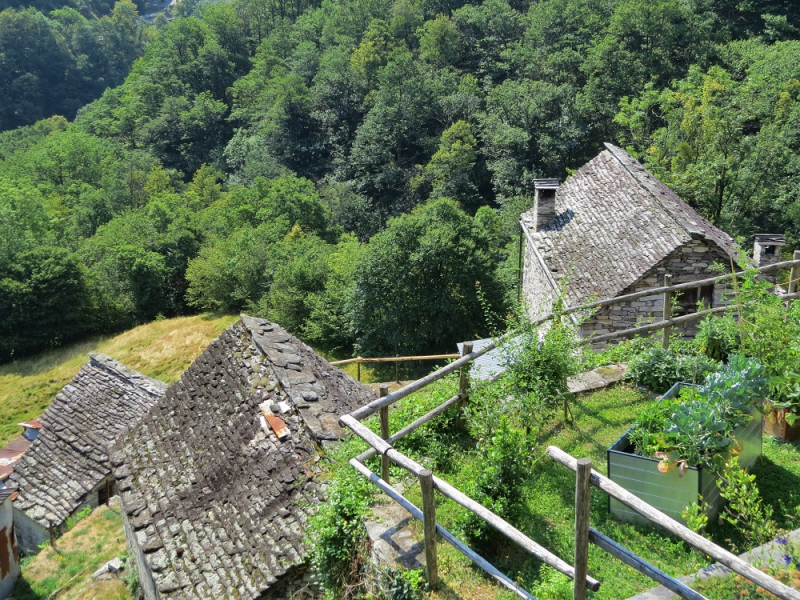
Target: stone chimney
<point x="544" y="204"/>
<point x="767" y="251"/>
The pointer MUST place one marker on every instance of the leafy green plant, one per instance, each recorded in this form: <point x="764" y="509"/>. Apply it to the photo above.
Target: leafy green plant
<point x="78" y="517"/>
<point x="696" y="516"/>
<point x="659" y="369"/>
<point x="696" y="428"/>
<point x="336" y="534"/>
<point x="786" y="388"/>
<point x="745" y="508"/>
<point x="717" y="337"/>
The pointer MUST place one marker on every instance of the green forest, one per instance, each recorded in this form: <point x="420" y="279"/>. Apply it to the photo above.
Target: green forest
<point x="355" y="169"/>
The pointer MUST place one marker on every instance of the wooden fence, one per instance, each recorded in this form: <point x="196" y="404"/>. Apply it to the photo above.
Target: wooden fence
<point x="585" y="476"/>
<point x="359" y="360"/>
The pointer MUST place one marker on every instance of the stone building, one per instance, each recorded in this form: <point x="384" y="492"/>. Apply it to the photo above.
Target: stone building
<point x="67" y="468"/>
<point x="613" y="229"/>
<point x="9" y="555"/>
<point x="218" y="480"/>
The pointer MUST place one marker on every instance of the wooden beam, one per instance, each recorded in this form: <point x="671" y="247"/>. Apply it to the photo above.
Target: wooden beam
<point x="733" y="562"/>
<point x="463" y="387"/>
<point x="365" y="433"/>
<point x="667" y="313"/>
<point x="582" y="510"/>
<point x="794" y="275"/>
<point x="412" y="426"/>
<point x="429" y="527"/>
<point x="384" y="389"/>
<point x="641" y="565"/>
<point x="449" y="537"/>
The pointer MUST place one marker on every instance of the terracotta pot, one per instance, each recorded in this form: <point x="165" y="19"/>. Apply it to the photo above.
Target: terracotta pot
<point x="775" y="425"/>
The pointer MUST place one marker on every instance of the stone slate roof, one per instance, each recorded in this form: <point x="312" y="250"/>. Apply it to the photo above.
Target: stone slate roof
<point x="615" y="221"/>
<point x="217" y="502"/>
<point x="70" y="455"/>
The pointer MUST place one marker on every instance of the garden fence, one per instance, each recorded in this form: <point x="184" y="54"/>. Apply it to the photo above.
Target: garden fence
<point x="383" y="444"/>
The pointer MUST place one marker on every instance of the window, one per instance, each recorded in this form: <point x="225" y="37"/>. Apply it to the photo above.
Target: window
<point x="687" y="301"/>
<point x="102" y="496"/>
<point x="770" y="250"/>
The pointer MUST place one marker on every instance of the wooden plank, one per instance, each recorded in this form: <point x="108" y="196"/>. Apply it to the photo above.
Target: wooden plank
<point x="383" y="390"/>
<point x="667" y="314"/>
<point x="412" y="426"/>
<point x="365" y="434"/>
<point x="582" y="510"/>
<point x="733" y="562"/>
<point x="449" y="537"/>
<point x="361" y="359"/>
<point x="463" y="387"/>
<point x="429" y="527"/>
<point x="794" y="276"/>
<point x="641" y="565"/>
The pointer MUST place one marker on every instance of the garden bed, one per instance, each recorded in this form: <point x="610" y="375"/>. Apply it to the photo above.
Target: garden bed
<point x="673" y="491"/>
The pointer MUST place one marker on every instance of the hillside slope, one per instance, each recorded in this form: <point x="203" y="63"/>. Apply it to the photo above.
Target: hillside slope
<point x="161" y="349"/>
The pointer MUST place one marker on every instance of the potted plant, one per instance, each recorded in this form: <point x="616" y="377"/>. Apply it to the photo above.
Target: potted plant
<point x="673" y="454"/>
<point x="781" y="420"/>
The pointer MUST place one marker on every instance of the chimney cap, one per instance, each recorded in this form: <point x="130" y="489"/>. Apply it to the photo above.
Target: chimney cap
<point x="770" y="239"/>
<point x="545" y="184"/>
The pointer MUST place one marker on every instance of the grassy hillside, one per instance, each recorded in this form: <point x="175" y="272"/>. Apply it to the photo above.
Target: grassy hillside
<point x="68" y="567"/>
<point x="161" y="349"/>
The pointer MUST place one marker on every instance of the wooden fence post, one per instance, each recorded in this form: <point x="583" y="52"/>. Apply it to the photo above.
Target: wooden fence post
<point x="667" y="311"/>
<point x="463" y="387"/>
<point x="582" y="510"/>
<point x="358" y="371"/>
<point x="429" y="526"/>
<point x="795" y="275"/>
<point x="383" y="392"/>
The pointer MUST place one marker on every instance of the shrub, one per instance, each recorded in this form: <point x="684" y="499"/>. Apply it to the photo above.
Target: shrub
<point x="718" y="337"/>
<point x="336" y="534"/>
<point x="745" y="509"/>
<point x="659" y="369"/>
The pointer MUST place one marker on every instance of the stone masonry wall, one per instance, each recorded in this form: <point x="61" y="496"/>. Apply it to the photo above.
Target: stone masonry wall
<point x="690" y="262"/>
<point x="30" y="534"/>
<point x="537" y="290"/>
<point x="146" y="584"/>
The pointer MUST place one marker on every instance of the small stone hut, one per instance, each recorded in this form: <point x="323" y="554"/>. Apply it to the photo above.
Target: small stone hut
<point x="218" y="480"/>
<point x="67" y="468"/>
<point x="9" y="555"/>
<point x="613" y="229"/>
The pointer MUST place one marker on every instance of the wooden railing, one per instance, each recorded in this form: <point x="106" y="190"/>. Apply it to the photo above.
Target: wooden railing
<point x="359" y="360"/>
<point x="383" y="444"/>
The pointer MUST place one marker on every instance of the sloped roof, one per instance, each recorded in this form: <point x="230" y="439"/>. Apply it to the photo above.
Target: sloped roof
<point x="217" y="502"/>
<point x="614" y="221"/>
<point x="12" y="452"/>
<point x="70" y="455"/>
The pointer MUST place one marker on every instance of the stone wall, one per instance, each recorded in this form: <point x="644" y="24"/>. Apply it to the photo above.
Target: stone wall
<point x="690" y="262"/>
<point x="537" y="290"/>
<point x="30" y="534"/>
<point x="9" y="555"/>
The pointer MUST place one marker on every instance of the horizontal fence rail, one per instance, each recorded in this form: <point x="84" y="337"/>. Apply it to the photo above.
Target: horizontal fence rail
<point x="391" y="359"/>
<point x="733" y="562"/>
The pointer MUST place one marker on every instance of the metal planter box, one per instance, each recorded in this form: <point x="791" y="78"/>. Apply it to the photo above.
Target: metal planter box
<point x="669" y="492"/>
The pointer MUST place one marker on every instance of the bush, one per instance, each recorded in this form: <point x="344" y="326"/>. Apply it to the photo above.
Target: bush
<point x="336" y="535"/>
<point x="718" y="337"/>
<point x="659" y="369"/>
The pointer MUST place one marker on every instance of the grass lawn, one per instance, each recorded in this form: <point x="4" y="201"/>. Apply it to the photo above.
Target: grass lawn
<point x="161" y="349"/>
<point x="92" y="542"/>
<point x="548" y="512"/>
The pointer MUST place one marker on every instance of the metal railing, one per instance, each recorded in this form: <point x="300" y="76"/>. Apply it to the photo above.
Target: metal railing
<point x="383" y="445"/>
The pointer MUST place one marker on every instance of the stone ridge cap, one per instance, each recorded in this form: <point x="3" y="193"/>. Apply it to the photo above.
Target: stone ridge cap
<point x="614" y="150"/>
<point x="154" y="387"/>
